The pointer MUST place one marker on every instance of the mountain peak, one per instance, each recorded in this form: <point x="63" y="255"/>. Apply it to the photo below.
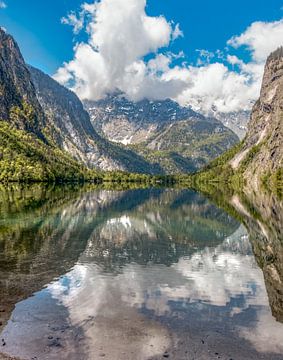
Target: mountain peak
<point x="275" y="55"/>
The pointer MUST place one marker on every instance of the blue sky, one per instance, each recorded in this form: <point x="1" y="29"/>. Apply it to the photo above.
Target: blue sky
<point x="206" y="24"/>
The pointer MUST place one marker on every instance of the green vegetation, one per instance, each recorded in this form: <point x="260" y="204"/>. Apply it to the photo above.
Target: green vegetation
<point x="274" y="182"/>
<point x="24" y="158"/>
<point x="220" y="174"/>
<point x="185" y="146"/>
<point x="218" y="171"/>
<point x="24" y="114"/>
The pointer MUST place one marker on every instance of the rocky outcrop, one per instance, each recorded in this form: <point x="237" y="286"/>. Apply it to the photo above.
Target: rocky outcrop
<point x="261" y="155"/>
<point x="26" y="152"/>
<point x="18" y="101"/>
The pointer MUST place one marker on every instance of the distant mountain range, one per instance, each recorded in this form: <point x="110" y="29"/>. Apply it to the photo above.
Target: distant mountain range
<point x="237" y="121"/>
<point x="73" y="132"/>
<point x="176" y="138"/>
<point x="51" y="131"/>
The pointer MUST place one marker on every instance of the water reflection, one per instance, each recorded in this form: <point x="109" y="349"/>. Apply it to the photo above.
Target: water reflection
<point x="137" y="274"/>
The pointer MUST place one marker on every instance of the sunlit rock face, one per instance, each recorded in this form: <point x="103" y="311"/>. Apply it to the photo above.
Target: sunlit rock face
<point x="262" y="155"/>
<point x="16" y="87"/>
<point x="125" y="121"/>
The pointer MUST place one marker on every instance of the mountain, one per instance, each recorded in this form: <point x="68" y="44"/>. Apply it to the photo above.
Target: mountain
<point x="261" y="156"/>
<point x="26" y="152"/>
<point x="45" y="133"/>
<point x="18" y="101"/>
<point x="127" y="122"/>
<point x="237" y="121"/>
<point x="73" y="132"/>
<point x="177" y="138"/>
<point x="258" y="160"/>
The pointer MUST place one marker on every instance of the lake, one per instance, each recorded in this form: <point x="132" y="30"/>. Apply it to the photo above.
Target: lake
<point x="139" y="274"/>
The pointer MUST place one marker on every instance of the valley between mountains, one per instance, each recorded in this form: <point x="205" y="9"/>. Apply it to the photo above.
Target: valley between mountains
<point x="47" y="133"/>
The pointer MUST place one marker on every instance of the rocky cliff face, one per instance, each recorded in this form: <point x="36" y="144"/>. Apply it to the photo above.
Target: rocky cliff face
<point x="262" y="153"/>
<point x="32" y="101"/>
<point x="26" y="152"/>
<point x="237" y="121"/>
<point x="127" y="122"/>
<point x="177" y="138"/>
<point x="18" y="101"/>
<point x="72" y="130"/>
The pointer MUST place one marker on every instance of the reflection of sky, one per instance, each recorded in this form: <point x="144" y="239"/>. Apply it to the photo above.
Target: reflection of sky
<point x="214" y="285"/>
<point x="217" y="277"/>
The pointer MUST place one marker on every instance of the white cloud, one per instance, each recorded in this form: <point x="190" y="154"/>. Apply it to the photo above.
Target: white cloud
<point x="205" y="56"/>
<point x="177" y="32"/>
<point x="215" y="84"/>
<point x="212" y="276"/>
<point x="3" y="5"/>
<point x="121" y="35"/>
<point x="76" y="21"/>
<point x="261" y="38"/>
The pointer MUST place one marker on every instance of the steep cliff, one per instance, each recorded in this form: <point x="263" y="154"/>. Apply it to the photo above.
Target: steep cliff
<point x="71" y="129"/>
<point x="18" y="101"/>
<point x="261" y="156"/>
<point x="45" y="133"/>
<point x="256" y="162"/>
<point x="26" y="151"/>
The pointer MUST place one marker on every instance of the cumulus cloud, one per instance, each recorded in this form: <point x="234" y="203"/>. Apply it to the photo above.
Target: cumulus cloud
<point x="73" y="20"/>
<point x="216" y="84"/>
<point x="120" y="36"/>
<point x="261" y="38"/>
<point x="128" y="50"/>
<point x="3" y="5"/>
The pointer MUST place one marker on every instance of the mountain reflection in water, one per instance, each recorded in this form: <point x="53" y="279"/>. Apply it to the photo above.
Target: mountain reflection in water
<point x="139" y="274"/>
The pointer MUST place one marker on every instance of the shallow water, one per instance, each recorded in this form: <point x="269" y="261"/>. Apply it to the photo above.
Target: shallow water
<point x="138" y="274"/>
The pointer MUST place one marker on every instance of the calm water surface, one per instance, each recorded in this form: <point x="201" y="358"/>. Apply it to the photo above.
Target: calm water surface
<point x="138" y="274"/>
